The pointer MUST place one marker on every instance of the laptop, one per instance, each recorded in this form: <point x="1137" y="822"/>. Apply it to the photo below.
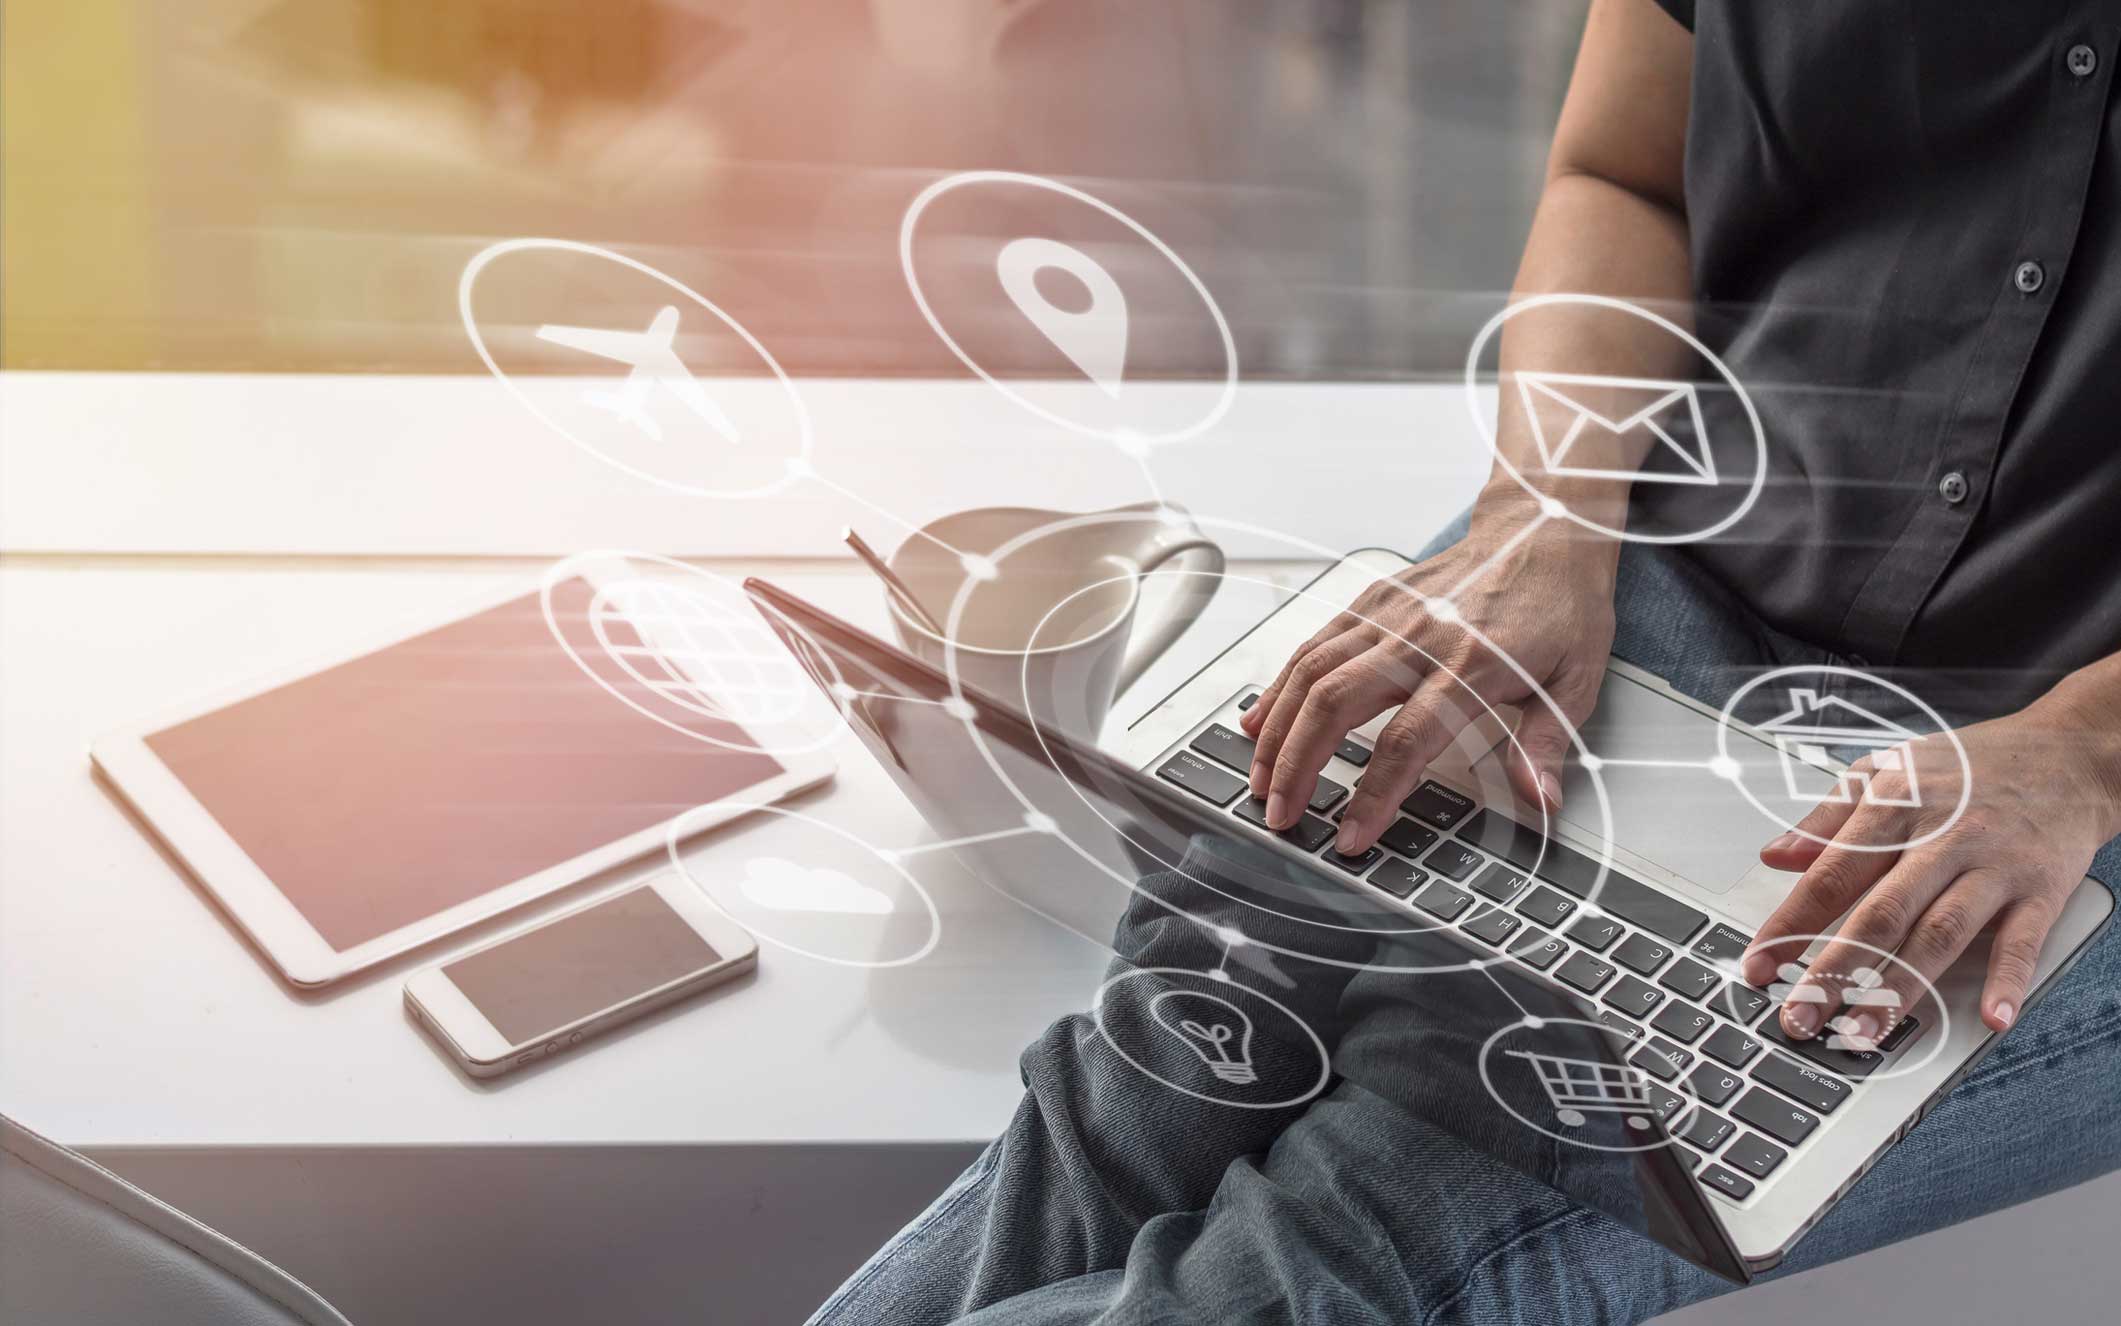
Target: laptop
<point x="1567" y="986"/>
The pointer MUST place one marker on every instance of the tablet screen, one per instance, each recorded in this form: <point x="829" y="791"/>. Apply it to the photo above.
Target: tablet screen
<point x="386" y="789"/>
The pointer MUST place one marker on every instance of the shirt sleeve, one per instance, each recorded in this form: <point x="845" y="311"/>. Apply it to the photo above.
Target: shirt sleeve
<point x="1682" y="10"/>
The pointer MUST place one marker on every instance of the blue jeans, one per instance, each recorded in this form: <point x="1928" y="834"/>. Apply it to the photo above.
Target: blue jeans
<point x="1111" y="1199"/>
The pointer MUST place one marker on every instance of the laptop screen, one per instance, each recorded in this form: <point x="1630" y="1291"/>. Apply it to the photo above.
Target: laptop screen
<point x="1250" y="985"/>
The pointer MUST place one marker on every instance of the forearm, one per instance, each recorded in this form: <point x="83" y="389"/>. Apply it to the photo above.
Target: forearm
<point x="2083" y="713"/>
<point x="1592" y="236"/>
<point x="1611" y="222"/>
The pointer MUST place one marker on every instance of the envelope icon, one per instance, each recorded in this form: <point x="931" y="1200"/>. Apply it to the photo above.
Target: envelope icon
<point x="1555" y="406"/>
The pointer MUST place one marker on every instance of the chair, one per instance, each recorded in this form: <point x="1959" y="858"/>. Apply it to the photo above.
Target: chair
<point x="80" y="1246"/>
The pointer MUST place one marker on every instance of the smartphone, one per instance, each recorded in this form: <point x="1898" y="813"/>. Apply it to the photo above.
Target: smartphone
<point x="550" y="986"/>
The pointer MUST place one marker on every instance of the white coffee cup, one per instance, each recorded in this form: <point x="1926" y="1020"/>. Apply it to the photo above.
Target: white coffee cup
<point x="1054" y="630"/>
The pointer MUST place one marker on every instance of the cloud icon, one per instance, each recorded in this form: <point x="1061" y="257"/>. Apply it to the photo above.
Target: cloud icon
<point x="781" y="885"/>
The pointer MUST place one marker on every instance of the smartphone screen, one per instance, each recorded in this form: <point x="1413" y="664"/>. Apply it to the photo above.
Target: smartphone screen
<point x="581" y="964"/>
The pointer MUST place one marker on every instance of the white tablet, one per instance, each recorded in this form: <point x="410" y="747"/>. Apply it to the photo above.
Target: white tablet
<point x="346" y="811"/>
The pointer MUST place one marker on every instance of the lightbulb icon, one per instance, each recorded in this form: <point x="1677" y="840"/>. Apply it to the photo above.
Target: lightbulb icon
<point x="1215" y="1029"/>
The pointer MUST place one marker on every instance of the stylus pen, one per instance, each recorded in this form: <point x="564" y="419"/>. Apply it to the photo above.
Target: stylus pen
<point x="898" y="587"/>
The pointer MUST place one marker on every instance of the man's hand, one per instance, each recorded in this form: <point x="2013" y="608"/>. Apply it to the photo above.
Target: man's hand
<point x="2042" y="800"/>
<point x="1547" y="602"/>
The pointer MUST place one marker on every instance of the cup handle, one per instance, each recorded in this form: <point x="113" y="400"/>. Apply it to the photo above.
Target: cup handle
<point x="1162" y="544"/>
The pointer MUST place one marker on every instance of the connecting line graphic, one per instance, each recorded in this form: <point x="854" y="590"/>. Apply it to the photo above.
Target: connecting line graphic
<point x="1509" y="545"/>
<point x="1505" y="990"/>
<point x="917" y="849"/>
<point x="1723" y="766"/>
<point x="845" y="692"/>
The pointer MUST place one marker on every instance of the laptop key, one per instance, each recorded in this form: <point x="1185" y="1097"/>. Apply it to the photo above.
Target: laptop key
<point x="1493" y="926"/>
<point x="1583" y="971"/>
<point x="1620" y="1024"/>
<point x="1742" y="1004"/>
<point x="1712" y="1085"/>
<point x="1737" y="1187"/>
<point x="1442" y="901"/>
<point x="1771" y="1114"/>
<point x="1755" y="1155"/>
<point x="1682" y="1022"/>
<point x="1407" y="838"/>
<point x="1537" y="949"/>
<point x="1326" y="795"/>
<point x="1354" y="865"/>
<point x="1730" y="1047"/>
<point x="1546" y="907"/>
<point x="1354" y="752"/>
<point x="1690" y="980"/>
<point x="1498" y="882"/>
<point x="1641" y="954"/>
<point x="1902" y="1030"/>
<point x="1454" y="860"/>
<point x="1225" y="745"/>
<point x="1705" y="1131"/>
<point x="1637" y="999"/>
<point x="1661" y="1059"/>
<point x="1433" y="803"/>
<point x="1820" y="1050"/>
<point x="1668" y="1104"/>
<point x="1309" y="833"/>
<point x="1803" y="1084"/>
<point x="1398" y="878"/>
<point x="1595" y="933"/>
<point x="1722" y="943"/>
<point x="1189" y="771"/>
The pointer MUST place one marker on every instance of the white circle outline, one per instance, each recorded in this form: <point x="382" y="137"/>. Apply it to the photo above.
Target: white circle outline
<point x="1549" y="504"/>
<point x="483" y="257"/>
<point x="1966" y="766"/>
<point x="1097" y="1018"/>
<point x="1133" y="885"/>
<point x="942" y="186"/>
<point x="560" y="569"/>
<point x="677" y="860"/>
<point x="1534" y="1024"/>
<point x="1938" y="1036"/>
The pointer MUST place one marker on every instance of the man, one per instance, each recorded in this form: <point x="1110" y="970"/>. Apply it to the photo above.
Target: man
<point x="1900" y="226"/>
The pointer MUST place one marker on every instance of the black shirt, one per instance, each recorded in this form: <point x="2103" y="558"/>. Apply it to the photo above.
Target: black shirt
<point x="1905" y="221"/>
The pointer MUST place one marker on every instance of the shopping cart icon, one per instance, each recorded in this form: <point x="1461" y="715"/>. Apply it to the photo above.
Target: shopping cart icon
<point x="1581" y="1087"/>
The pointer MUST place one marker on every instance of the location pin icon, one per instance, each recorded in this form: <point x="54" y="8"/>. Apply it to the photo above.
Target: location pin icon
<point x="1095" y="340"/>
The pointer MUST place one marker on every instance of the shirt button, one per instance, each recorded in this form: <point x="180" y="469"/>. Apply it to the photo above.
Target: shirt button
<point x="2029" y="277"/>
<point x="2082" y="60"/>
<point x="1952" y="488"/>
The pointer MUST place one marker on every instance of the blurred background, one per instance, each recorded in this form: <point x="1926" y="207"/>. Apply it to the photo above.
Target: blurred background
<point x="295" y="185"/>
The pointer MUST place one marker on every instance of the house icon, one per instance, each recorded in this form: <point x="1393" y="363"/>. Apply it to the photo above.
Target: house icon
<point x="1814" y="722"/>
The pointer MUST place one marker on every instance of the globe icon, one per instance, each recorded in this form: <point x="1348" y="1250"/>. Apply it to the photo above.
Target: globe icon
<point x="710" y="659"/>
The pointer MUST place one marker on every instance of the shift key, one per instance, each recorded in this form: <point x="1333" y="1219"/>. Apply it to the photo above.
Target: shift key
<point x="1201" y="778"/>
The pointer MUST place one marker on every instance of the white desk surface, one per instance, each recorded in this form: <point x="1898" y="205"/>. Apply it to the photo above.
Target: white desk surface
<point x="131" y="1013"/>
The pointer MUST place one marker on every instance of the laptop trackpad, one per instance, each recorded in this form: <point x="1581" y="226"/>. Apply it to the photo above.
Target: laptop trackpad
<point x="1680" y="823"/>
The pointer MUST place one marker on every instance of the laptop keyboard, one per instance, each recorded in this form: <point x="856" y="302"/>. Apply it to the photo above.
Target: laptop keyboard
<point x="1745" y="1101"/>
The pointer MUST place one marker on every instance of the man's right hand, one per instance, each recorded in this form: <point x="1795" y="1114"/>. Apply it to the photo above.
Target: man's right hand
<point x="1547" y="602"/>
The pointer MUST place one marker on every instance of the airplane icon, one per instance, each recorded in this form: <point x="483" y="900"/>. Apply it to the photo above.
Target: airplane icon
<point x="654" y="364"/>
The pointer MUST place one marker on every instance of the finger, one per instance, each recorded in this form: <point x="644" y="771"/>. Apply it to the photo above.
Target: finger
<point x="1900" y="915"/>
<point x="1543" y="741"/>
<point x="1936" y="941"/>
<point x="1252" y="718"/>
<point x="1345" y="698"/>
<point x="1303" y="674"/>
<point x="1801" y="846"/>
<point x="1421" y="730"/>
<point x="1829" y="887"/>
<point x="2013" y="960"/>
